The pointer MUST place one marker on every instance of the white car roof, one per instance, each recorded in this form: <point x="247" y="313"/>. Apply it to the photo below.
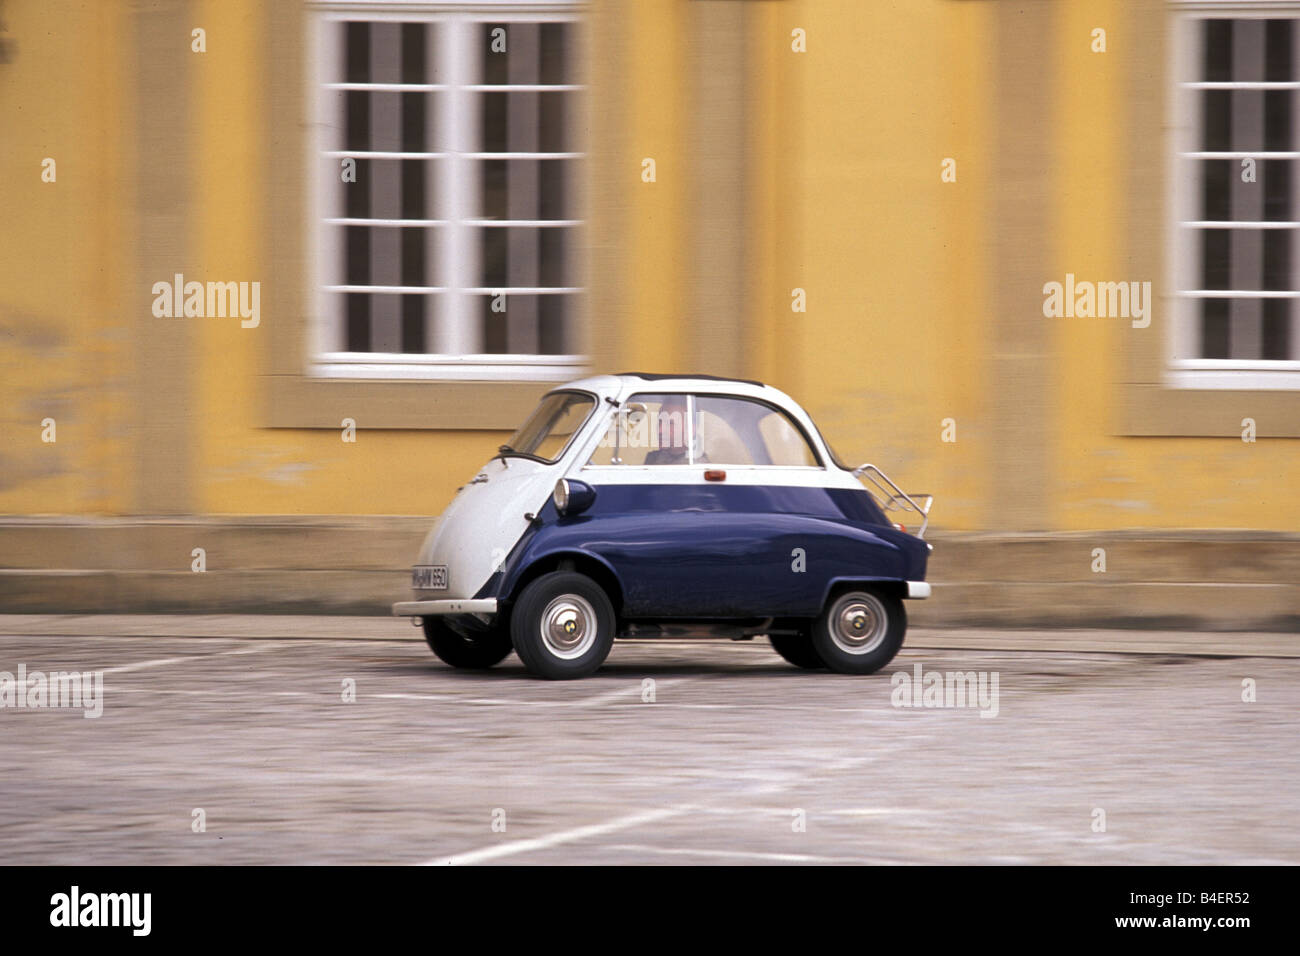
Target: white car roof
<point x="611" y="385"/>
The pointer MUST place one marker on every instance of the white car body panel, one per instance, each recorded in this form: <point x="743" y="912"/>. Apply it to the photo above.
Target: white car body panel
<point x="484" y="521"/>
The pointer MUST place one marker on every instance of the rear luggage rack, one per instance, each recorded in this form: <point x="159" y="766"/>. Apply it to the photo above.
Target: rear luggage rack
<point x="894" y="498"/>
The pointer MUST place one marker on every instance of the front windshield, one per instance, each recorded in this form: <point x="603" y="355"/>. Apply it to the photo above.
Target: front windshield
<point x="550" y="427"/>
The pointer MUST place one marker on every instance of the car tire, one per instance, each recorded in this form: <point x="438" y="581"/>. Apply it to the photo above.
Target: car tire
<point x="798" y="650"/>
<point x="562" y="626"/>
<point x="860" y="631"/>
<point x="465" y="647"/>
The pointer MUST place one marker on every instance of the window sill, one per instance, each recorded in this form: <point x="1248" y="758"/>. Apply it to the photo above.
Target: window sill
<point x="1159" y="410"/>
<point x="299" y="401"/>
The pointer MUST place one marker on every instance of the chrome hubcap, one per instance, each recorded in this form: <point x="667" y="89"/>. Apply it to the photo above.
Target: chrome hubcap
<point x="858" y="623"/>
<point x="569" y="626"/>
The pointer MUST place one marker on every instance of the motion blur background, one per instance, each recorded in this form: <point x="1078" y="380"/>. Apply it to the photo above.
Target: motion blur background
<point x="751" y="188"/>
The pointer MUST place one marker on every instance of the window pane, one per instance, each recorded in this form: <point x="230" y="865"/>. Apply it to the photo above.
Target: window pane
<point x="1218" y="51"/>
<point x="415" y="53"/>
<point x="557" y="54"/>
<point x="356" y="55"/>
<point x="735" y="431"/>
<point x="388" y="255"/>
<point x="494" y="47"/>
<point x="514" y="322"/>
<point x="377" y="322"/>
<point x="1276" y="345"/>
<point x="1216" y="186"/>
<point x="1215" y="247"/>
<point x="1216" y="119"/>
<point x="1277" y="58"/>
<point x="649" y="429"/>
<point x="1275" y="176"/>
<point x="784" y="442"/>
<point x="524" y="257"/>
<point x="388" y="188"/>
<point x="525" y="189"/>
<point x="1277" y="120"/>
<point x="551" y="426"/>
<point x="553" y="110"/>
<point x="1214" y="328"/>
<point x="526" y="53"/>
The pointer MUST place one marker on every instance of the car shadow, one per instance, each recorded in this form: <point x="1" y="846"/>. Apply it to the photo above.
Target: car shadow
<point x="512" y="670"/>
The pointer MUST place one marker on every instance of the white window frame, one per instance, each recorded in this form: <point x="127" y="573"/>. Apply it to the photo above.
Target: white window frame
<point x="456" y="184"/>
<point x="1183" y="369"/>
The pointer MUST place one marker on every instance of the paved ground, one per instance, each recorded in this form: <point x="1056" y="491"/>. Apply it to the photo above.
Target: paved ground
<point x="739" y="758"/>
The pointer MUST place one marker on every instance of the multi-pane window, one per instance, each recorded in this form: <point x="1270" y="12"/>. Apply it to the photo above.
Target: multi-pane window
<point x="447" y="192"/>
<point x="1237" y="250"/>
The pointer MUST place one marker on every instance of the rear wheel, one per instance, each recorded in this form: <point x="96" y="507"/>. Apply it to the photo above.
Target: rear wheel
<point x="464" y="646"/>
<point x="860" y="631"/>
<point x="562" y="626"/>
<point x="797" y="649"/>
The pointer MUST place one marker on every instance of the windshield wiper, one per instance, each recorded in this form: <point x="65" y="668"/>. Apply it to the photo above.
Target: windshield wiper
<point x="509" y="450"/>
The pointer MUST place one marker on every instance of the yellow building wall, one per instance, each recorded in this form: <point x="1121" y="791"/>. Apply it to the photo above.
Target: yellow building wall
<point x="64" y="354"/>
<point x="845" y="151"/>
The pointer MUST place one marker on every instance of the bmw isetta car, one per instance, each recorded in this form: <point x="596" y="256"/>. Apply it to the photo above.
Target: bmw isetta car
<point x="642" y="505"/>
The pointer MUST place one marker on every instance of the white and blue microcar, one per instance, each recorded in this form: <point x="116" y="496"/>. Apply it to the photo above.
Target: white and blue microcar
<point x="642" y="505"/>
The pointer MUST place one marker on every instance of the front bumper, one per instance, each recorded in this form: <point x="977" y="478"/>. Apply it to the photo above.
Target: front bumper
<point x="920" y="590"/>
<point x="435" y="608"/>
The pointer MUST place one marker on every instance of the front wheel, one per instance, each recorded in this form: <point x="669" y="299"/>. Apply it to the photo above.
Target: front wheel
<point x="471" y="649"/>
<point x="860" y="631"/>
<point x="562" y="626"/>
<point x="797" y="649"/>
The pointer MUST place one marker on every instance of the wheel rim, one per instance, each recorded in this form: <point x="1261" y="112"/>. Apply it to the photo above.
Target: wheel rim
<point x="858" y="623"/>
<point x="568" y="626"/>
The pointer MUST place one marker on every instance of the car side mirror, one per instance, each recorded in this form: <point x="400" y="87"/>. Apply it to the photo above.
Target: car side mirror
<point x="573" y="497"/>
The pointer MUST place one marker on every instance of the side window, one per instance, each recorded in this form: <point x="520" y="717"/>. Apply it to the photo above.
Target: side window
<point x="649" y="429"/>
<point x="672" y="429"/>
<point x="784" y="442"/>
<point x="737" y="431"/>
<point x="720" y="442"/>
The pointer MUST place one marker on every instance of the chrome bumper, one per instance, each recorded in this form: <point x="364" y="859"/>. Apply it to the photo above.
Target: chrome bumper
<point x="919" y="590"/>
<point x="434" y="608"/>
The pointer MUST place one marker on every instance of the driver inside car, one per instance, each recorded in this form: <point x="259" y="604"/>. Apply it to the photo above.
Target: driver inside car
<point x="673" y="434"/>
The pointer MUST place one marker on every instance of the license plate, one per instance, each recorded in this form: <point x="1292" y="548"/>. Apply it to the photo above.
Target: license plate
<point x="429" y="577"/>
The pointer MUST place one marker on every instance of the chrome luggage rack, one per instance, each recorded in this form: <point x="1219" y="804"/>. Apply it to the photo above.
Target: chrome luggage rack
<point x="894" y="498"/>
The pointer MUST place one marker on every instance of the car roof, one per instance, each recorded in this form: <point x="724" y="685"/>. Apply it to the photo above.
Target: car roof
<point x="677" y="382"/>
<point x="657" y="376"/>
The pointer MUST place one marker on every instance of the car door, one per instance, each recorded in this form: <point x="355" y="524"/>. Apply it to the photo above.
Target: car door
<point x="703" y="502"/>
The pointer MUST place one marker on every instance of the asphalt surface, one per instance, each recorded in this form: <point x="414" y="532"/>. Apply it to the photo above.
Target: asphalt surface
<point x="738" y="758"/>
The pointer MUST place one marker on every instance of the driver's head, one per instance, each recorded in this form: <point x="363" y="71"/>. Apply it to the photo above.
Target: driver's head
<point x="672" y="422"/>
